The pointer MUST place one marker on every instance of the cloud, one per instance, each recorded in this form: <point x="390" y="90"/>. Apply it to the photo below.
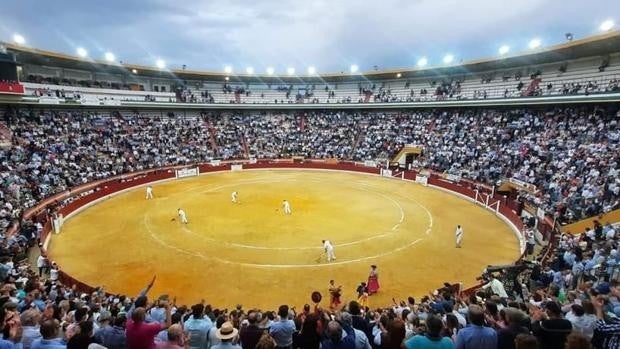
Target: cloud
<point x="330" y="35"/>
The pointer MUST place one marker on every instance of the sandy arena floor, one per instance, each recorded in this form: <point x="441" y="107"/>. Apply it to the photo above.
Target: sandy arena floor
<point x="251" y="253"/>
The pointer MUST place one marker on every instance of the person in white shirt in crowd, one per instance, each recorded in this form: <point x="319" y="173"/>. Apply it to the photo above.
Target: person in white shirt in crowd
<point x="497" y="287"/>
<point x="42" y="264"/>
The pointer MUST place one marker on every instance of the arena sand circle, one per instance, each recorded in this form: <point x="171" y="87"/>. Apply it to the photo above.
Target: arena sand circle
<point x="254" y="254"/>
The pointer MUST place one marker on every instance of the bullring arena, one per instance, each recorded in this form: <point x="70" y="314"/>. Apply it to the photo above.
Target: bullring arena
<point x="233" y="175"/>
<point x="252" y="250"/>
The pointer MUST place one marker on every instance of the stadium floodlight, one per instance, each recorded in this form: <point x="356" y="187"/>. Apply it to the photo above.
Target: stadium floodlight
<point x="535" y="43"/>
<point x="354" y="68"/>
<point x="447" y="59"/>
<point x="160" y="63"/>
<point x="227" y="78"/>
<point x="82" y="52"/>
<point x="504" y="50"/>
<point x="19" y="39"/>
<point x="606" y="25"/>
<point x="270" y="70"/>
<point x="290" y="71"/>
<point x="109" y="56"/>
<point x="135" y="71"/>
<point x="399" y="75"/>
<point x="311" y="70"/>
<point x="422" y="62"/>
<point x="228" y="69"/>
<point x="249" y="70"/>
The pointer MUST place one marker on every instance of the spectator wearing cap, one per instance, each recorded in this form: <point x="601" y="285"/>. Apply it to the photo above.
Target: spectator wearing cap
<point x="283" y="329"/>
<point x="250" y="334"/>
<point x="31" y="330"/>
<point x="140" y="334"/>
<point x="176" y="339"/>
<point x="361" y="341"/>
<point x="550" y="327"/>
<point x="432" y="339"/>
<point x="113" y="337"/>
<point x="49" y="333"/>
<point x="226" y="334"/>
<point x="476" y="335"/>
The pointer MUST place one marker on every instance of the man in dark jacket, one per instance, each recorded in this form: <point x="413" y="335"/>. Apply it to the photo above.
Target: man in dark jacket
<point x="550" y="327"/>
<point x="251" y="333"/>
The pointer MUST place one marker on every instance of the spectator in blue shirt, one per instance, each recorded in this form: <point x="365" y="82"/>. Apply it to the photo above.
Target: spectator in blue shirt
<point x="158" y="314"/>
<point x="476" y="335"/>
<point x="432" y="339"/>
<point x="198" y="327"/>
<point x="31" y="330"/>
<point x="283" y="329"/>
<point x="50" y="340"/>
<point x="113" y="337"/>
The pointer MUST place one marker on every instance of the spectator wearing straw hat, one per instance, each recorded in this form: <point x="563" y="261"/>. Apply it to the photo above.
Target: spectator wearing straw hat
<point x="227" y="334"/>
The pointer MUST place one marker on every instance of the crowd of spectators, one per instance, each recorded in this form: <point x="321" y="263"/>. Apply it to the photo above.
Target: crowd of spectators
<point x="392" y="91"/>
<point x="572" y="302"/>
<point x="570" y="154"/>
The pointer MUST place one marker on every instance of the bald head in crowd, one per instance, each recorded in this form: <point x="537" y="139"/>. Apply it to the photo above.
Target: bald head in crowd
<point x="334" y="331"/>
<point x="175" y="333"/>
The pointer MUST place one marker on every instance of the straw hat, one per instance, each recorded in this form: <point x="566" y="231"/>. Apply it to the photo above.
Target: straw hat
<point x="227" y="331"/>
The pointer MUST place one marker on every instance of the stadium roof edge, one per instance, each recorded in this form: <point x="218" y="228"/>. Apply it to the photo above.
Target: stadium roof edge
<point x="600" y="44"/>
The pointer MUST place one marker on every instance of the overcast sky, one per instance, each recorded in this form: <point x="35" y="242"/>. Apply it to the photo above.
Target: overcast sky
<point x="328" y="34"/>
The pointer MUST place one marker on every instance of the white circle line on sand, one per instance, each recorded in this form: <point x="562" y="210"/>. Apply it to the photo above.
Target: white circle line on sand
<point x="258" y="265"/>
<point x="305" y="179"/>
<point x="374" y="237"/>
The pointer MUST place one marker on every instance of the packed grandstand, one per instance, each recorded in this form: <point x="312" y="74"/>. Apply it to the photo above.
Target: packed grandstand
<point x="564" y="290"/>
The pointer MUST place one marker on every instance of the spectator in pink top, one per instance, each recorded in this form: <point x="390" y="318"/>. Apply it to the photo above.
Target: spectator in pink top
<point x="140" y="334"/>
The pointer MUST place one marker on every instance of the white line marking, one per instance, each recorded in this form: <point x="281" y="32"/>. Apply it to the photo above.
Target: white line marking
<point x="305" y="179"/>
<point x="258" y="265"/>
